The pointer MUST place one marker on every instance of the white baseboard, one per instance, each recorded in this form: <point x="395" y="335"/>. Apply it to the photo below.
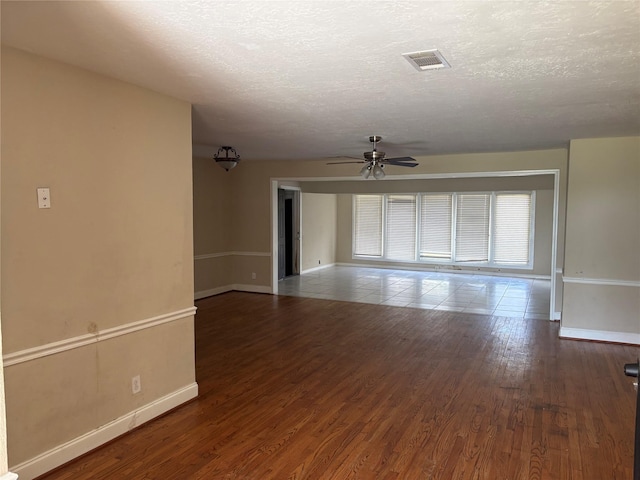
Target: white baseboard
<point x="600" y="335"/>
<point x="228" y="288"/>
<point x="602" y="281"/>
<point x="557" y="316"/>
<point x="319" y="267"/>
<point x="9" y="476"/>
<point x="447" y="270"/>
<point x="251" y="288"/>
<point x="66" y="452"/>
<point x="211" y="292"/>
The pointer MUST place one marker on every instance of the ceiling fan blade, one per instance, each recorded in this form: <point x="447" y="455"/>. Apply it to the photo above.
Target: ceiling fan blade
<point x="375" y="159"/>
<point x="400" y="159"/>
<point x="402" y="162"/>
<point x="340" y="163"/>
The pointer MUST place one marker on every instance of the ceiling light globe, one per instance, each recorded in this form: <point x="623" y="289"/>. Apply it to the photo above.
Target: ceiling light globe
<point x="227" y="157"/>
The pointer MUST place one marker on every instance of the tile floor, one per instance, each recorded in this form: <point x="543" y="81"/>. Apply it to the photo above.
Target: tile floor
<point x="483" y="294"/>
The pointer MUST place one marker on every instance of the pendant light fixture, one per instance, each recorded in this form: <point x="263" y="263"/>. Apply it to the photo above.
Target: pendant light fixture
<point x="227" y="157"/>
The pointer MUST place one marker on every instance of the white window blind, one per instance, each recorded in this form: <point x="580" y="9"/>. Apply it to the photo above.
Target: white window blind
<point x="435" y="226"/>
<point x="472" y="227"/>
<point x="512" y="221"/>
<point x="368" y="225"/>
<point x="401" y="227"/>
<point x="491" y="228"/>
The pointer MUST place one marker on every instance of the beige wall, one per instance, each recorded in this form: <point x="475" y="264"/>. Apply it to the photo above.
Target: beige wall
<point x="115" y="248"/>
<point x="602" y="260"/>
<point x="221" y="262"/>
<point x="319" y="216"/>
<point x="604" y="200"/>
<point x="481" y="184"/>
<point x="213" y="210"/>
<point x="543" y="232"/>
<point x="212" y="205"/>
<point x="4" y="460"/>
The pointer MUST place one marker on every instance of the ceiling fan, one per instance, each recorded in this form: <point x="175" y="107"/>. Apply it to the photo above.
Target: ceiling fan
<point x="375" y="161"/>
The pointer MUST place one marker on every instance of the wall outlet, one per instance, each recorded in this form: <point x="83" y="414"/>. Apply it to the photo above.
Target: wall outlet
<point x="136" y="386"/>
<point x="253" y="275"/>
<point x="44" y="198"/>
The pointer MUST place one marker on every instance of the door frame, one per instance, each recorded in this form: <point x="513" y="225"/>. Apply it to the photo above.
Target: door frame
<point x="556" y="272"/>
<point x="297" y="224"/>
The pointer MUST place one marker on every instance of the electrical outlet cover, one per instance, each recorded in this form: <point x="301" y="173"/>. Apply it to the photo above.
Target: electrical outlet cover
<point x="136" y="386"/>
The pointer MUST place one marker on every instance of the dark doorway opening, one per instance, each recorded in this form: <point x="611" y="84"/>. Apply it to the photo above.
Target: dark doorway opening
<point x="288" y="233"/>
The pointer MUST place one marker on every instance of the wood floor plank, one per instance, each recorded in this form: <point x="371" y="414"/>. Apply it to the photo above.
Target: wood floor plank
<point x="295" y="388"/>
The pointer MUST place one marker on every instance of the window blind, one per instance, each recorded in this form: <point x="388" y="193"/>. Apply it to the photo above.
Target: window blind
<point x="368" y="225"/>
<point x="401" y="227"/>
<point x="488" y="228"/>
<point x="472" y="227"/>
<point x="512" y="221"/>
<point x="435" y="226"/>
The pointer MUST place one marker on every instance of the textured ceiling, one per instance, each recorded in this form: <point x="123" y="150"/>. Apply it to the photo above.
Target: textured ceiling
<point x="301" y="79"/>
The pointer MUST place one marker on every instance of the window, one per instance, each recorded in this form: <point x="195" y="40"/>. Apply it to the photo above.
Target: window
<point x="472" y="228"/>
<point x="401" y="227"/>
<point x="491" y="229"/>
<point x="368" y="225"/>
<point x="435" y="226"/>
<point x="512" y="228"/>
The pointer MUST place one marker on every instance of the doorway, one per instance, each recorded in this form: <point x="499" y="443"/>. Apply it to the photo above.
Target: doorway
<point x="555" y="274"/>
<point x="288" y="233"/>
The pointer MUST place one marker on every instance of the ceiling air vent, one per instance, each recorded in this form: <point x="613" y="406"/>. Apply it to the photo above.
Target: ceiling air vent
<point x="427" y="60"/>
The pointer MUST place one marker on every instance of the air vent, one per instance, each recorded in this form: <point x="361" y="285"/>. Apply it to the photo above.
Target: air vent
<point x="427" y="60"/>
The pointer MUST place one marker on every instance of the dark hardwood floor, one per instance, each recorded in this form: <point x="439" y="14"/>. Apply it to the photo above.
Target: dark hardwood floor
<point x="296" y="388"/>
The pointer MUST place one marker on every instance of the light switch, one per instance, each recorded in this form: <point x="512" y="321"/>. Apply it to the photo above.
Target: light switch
<point x="44" y="198"/>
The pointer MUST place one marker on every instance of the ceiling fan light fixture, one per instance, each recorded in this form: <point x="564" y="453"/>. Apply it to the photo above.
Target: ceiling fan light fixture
<point x="227" y="157"/>
<point x="378" y="172"/>
<point x="375" y="160"/>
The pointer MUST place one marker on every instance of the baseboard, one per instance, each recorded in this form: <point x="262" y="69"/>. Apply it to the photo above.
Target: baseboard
<point x="9" y="476"/>
<point x="602" y="281"/>
<point x="228" y="288"/>
<point x="412" y="266"/>
<point x="251" y="288"/>
<point x="600" y="335"/>
<point x="229" y="254"/>
<point x="66" y="452"/>
<point x="319" y="267"/>
<point x="211" y="292"/>
<point x="557" y="316"/>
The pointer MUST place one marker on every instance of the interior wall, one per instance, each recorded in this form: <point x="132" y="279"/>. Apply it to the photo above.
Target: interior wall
<point x="4" y="460"/>
<point x="212" y="215"/>
<point x="602" y="263"/>
<point x="430" y="185"/>
<point x="99" y="287"/>
<point x="543" y="233"/>
<point x="319" y="216"/>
